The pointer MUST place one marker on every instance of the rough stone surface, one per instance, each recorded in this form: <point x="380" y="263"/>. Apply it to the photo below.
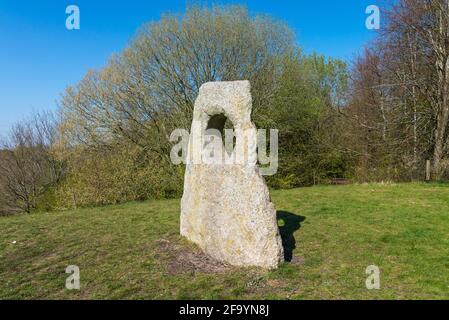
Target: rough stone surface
<point x="226" y="208"/>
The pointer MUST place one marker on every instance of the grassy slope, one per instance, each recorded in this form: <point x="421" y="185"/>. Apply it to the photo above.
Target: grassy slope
<point x="338" y="231"/>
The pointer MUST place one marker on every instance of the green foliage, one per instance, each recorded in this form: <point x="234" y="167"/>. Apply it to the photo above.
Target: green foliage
<point x="119" y="174"/>
<point x="305" y="110"/>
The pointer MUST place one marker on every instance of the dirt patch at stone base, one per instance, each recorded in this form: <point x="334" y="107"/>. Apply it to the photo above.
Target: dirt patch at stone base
<point x="186" y="259"/>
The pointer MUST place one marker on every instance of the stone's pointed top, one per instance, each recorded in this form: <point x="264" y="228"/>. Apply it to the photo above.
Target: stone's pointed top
<point x="231" y="98"/>
<point x="223" y="85"/>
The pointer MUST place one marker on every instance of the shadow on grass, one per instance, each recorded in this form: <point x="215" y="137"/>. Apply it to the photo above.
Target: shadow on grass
<point x="292" y="222"/>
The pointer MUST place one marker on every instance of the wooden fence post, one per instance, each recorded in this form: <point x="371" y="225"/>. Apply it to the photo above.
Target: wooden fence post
<point x="428" y="170"/>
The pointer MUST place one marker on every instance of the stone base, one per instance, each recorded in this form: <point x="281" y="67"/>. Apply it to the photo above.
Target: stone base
<point x="226" y="210"/>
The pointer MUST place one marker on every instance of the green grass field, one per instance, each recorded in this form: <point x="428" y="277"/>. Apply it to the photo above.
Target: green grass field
<point x="332" y="233"/>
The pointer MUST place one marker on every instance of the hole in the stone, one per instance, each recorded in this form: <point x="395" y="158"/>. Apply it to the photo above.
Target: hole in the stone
<point x="220" y="122"/>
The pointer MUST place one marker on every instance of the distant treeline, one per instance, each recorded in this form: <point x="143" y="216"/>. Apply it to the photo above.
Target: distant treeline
<point x="379" y="120"/>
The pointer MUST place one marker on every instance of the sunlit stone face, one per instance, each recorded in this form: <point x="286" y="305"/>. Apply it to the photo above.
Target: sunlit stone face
<point x="226" y="208"/>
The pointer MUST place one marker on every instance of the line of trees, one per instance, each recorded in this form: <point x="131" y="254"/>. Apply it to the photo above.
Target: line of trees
<point x="398" y="102"/>
<point x="28" y="167"/>
<point x="109" y="142"/>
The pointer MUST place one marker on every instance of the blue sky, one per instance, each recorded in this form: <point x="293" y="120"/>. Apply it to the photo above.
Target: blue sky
<point x="39" y="57"/>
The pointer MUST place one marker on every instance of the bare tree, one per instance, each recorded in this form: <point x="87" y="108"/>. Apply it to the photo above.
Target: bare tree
<point x="425" y="26"/>
<point x="27" y="167"/>
<point x="411" y="93"/>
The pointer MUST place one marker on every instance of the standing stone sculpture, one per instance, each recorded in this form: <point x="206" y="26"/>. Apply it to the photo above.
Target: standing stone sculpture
<point x="226" y="208"/>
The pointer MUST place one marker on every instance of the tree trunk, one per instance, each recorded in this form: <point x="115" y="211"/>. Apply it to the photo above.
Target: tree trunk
<point x="440" y="134"/>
